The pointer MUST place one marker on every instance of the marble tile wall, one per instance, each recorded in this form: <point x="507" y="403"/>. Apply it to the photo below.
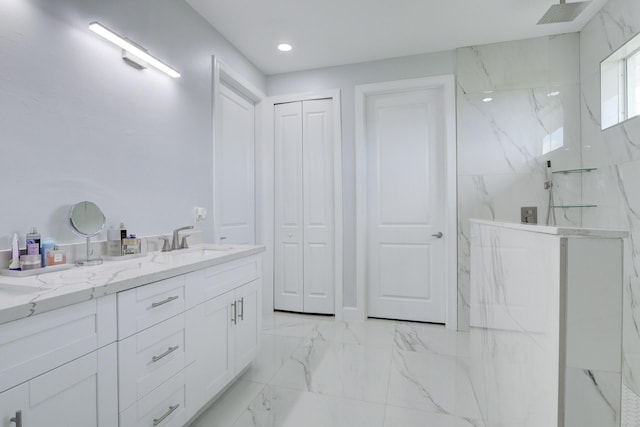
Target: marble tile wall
<point x="615" y="185"/>
<point x="501" y="156"/>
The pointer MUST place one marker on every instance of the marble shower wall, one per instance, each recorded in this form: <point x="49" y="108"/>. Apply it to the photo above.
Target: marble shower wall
<point x="503" y="144"/>
<point x="615" y="185"/>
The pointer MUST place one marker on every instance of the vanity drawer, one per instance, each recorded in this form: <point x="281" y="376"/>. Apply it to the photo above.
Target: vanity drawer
<point x="32" y="346"/>
<point x="214" y="281"/>
<point x="163" y="407"/>
<point x="149" y="358"/>
<point x="145" y="306"/>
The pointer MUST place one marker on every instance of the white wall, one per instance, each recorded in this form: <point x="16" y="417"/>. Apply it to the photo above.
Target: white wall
<point x="346" y="78"/>
<point x="77" y="123"/>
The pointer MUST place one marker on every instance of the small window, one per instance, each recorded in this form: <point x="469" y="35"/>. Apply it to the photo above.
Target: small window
<point x="633" y="84"/>
<point x="620" y="84"/>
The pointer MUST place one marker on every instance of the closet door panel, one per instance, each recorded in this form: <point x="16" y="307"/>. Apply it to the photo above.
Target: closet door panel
<point x="318" y="202"/>
<point x="289" y="232"/>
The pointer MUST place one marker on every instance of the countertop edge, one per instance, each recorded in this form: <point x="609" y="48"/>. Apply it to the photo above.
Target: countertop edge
<point x="44" y="299"/>
<point x="554" y="230"/>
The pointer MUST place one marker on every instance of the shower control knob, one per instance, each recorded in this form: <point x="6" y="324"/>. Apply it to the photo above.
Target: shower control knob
<point x="438" y="235"/>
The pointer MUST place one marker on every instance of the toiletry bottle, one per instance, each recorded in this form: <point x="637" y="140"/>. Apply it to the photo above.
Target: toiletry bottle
<point x="14" y="262"/>
<point x="33" y="242"/>
<point x="56" y="256"/>
<point x="114" y="242"/>
<point x="123" y="235"/>
<point x="46" y="244"/>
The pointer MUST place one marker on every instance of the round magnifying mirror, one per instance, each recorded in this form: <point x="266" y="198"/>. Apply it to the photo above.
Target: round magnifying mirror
<point x="87" y="219"/>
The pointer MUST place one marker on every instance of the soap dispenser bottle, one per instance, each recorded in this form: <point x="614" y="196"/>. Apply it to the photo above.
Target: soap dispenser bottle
<point x="33" y="242"/>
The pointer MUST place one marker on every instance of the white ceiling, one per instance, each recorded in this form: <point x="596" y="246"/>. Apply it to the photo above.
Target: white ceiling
<point x="335" y="32"/>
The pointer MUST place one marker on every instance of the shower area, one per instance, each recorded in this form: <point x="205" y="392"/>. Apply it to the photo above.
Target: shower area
<point x="521" y="104"/>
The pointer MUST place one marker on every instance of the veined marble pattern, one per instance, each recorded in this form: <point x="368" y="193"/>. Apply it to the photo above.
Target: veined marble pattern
<point x="22" y="297"/>
<point x="616" y="153"/>
<point x="377" y="373"/>
<point x="501" y="162"/>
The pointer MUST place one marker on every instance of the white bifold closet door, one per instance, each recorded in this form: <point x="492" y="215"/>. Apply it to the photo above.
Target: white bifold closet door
<point x="304" y="207"/>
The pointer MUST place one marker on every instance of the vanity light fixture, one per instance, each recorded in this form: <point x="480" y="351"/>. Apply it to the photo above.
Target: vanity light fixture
<point x="131" y="52"/>
<point x="284" y="47"/>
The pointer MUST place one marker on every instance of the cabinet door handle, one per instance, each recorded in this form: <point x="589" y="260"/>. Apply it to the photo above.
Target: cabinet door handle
<point x="234" y="318"/>
<point x="157" y="421"/>
<point x="241" y="302"/>
<point x="158" y="304"/>
<point x="17" y="419"/>
<point x="165" y="354"/>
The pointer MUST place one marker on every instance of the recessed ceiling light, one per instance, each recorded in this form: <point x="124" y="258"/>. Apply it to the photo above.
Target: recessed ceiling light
<point x="487" y="99"/>
<point x="284" y="47"/>
<point x="555" y="93"/>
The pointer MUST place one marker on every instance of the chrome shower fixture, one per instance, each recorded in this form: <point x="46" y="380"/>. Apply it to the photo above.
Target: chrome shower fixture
<point x="563" y="12"/>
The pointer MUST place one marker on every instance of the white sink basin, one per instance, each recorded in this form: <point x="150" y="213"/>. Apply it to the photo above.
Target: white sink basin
<point x="7" y="290"/>
<point x="203" y="252"/>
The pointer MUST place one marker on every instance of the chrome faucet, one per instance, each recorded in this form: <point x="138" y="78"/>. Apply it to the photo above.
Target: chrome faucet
<point x="176" y="239"/>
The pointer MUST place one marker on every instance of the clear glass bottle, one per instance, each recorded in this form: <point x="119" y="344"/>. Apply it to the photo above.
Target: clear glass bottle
<point x="55" y="256"/>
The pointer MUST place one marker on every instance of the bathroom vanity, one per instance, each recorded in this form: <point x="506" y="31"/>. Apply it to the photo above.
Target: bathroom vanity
<point x="546" y="312"/>
<point x="143" y="342"/>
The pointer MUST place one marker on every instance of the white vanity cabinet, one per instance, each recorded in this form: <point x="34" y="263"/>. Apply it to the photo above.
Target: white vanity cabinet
<point x="183" y="339"/>
<point x="152" y="354"/>
<point x="59" y="369"/>
<point x="80" y="393"/>
<point x="222" y="331"/>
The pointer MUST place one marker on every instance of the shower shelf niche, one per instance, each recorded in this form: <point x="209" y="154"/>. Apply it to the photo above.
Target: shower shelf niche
<point x="572" y="171"/>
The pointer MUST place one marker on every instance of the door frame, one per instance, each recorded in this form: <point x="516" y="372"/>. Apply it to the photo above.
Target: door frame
<point x="224" y="74"/>
<point x="447" y="83"/>
<point x="269" y="200"/>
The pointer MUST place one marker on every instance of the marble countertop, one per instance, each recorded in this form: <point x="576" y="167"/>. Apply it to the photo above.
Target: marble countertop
<point x="22" y="297"/>
<point x="555" y="230"/>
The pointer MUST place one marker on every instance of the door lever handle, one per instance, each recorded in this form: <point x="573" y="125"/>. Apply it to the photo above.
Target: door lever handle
<point x="438" y="235"/>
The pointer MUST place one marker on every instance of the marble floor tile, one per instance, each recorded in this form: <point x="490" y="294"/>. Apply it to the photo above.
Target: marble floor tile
<point x="630" y="408"/>
<point x="273" y="351"/>
<point x="230" y="406"/>
<point x="298" y="325"/>
<point x="374" y="332"/>
<point x="432" y="383"/>
<point x="403" y="417"/>
<point x="283" y="407"/>
<point x="429" y="338"/>
<point x="338" y="369"/>
<point x="315" y="371"/>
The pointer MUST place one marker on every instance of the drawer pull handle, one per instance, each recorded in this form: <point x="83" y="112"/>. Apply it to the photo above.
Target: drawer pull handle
<point x="157" y="421"/>
<point x="234" y="318"/>
<point x="158" y="304"/>
<point x="166" y="353"/>
<point x="17" y="419"/>
<point x="241" y="302"/>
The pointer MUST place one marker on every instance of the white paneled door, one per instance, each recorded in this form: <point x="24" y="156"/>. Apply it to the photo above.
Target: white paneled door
<point x="304" y="207"/>
<point x="406" y="205"/>
<point x="234" y="220"/>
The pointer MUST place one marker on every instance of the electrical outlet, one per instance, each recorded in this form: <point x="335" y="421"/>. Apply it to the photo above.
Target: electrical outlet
<point x="200" y="214"/>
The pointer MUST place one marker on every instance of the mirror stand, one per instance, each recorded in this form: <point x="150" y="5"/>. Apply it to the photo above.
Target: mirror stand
<point x="87" y="220"/>
<point x="88" y="261"/>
